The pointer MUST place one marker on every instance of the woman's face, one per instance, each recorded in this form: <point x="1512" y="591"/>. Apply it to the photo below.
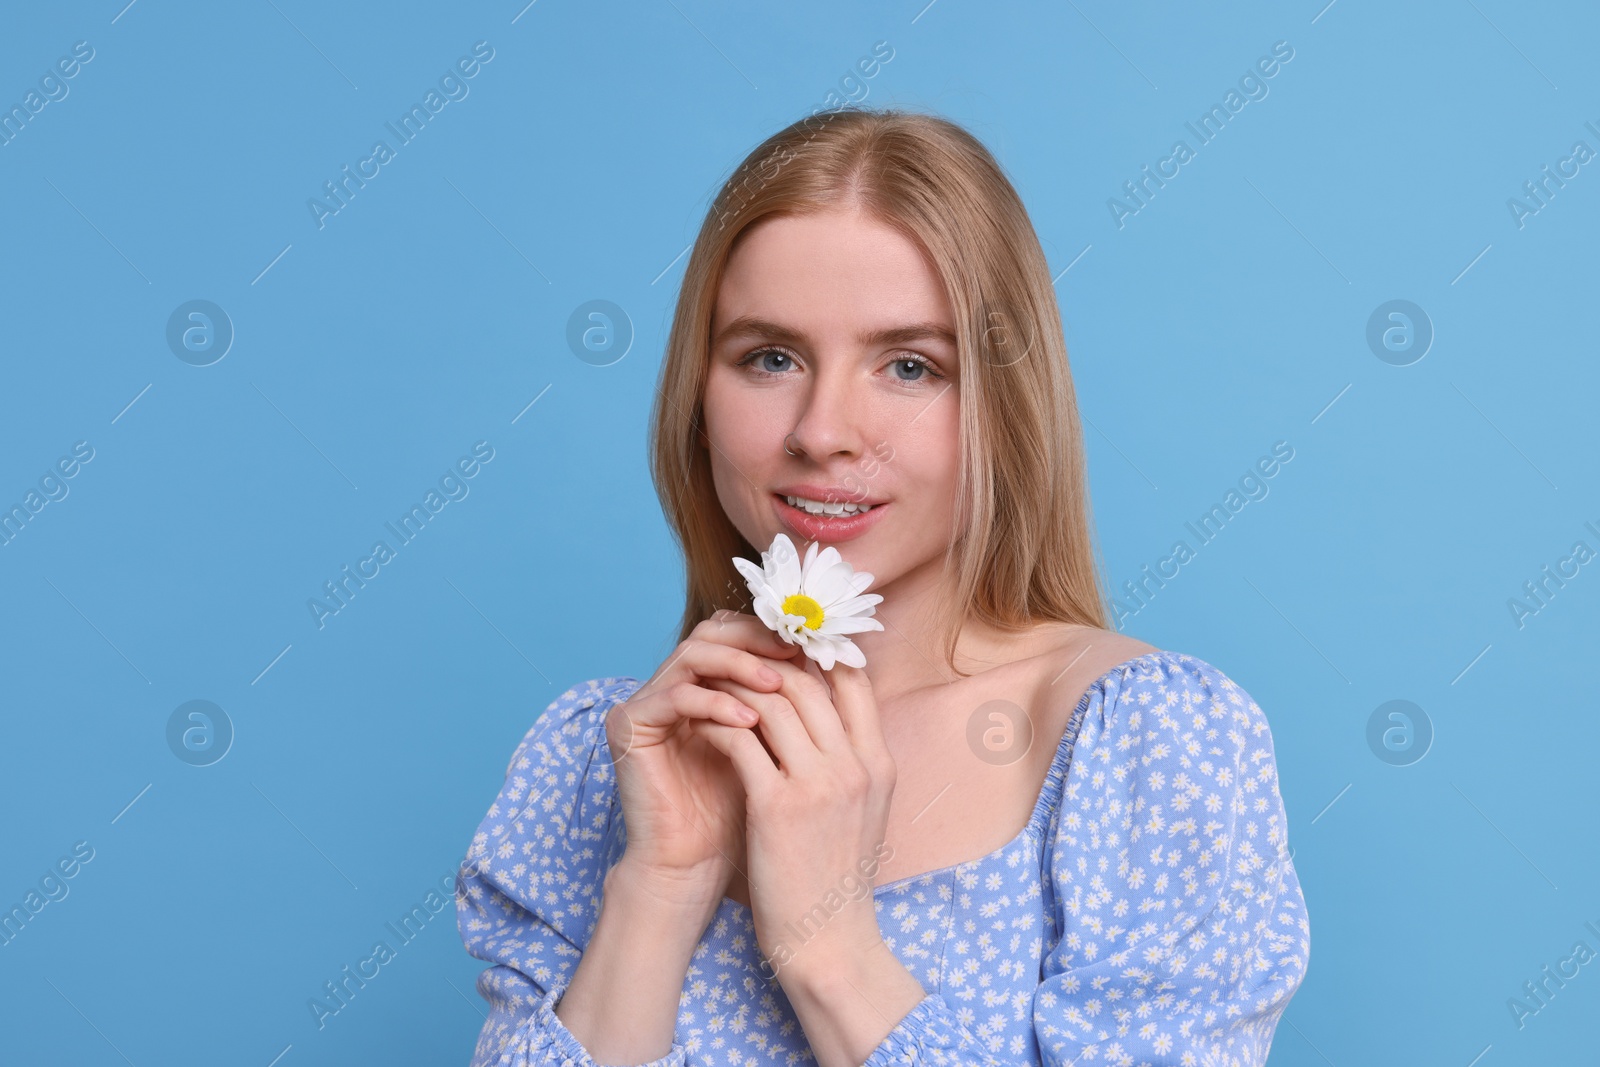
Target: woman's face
<point x="834" y="327"/>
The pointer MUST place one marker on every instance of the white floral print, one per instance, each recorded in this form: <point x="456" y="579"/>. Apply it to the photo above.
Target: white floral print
<point x="1148" y="914"/>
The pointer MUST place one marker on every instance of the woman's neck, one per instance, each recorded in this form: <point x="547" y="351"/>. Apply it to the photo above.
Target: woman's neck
<point x="908" y="653"/>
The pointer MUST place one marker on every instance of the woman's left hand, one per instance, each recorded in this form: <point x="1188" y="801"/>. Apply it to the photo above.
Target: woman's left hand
<point x="815" y="818"/>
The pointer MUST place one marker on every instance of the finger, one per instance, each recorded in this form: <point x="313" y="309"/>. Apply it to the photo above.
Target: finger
<point x="743" y="631"/>
<point x="698" y="702"/>
<point x="750" y="761"/>
<point x="858" y="709"/>
<point x="703" y="659"/>
<point x="780" y="724"/>
<point x="808" y="690"/>
<point x="682" y="700"/>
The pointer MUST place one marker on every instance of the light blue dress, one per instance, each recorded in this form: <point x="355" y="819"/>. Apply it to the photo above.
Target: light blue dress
<point x="1148" y="913"/>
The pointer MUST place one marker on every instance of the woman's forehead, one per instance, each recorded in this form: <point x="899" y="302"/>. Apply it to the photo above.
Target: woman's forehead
<point x="815" y="273"/>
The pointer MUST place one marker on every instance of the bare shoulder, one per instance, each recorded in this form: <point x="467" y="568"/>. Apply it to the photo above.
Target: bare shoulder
<point x="1064" y="646"/>
<point x="1069" y="660"/>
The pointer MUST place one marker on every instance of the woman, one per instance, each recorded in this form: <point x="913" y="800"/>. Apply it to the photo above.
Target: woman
<point x="1014" y="836"/>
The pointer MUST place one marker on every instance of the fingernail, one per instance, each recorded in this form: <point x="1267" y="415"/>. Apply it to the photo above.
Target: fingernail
<point x="770" y="675"/>
<point x="747" y="714"/>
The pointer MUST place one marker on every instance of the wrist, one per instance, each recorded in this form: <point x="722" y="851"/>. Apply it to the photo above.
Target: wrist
<point x="850" y="1002"/>
<point x="621" y="1002"/>
<point x="666" y="896"/>
<point x="817" y="971"/>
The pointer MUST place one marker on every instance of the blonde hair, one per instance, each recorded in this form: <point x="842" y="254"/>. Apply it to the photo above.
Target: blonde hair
<point x="1023" y="552"/>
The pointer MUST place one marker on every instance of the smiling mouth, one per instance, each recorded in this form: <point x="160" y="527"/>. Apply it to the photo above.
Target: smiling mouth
<point x="841" y="525"/>
<point x="826" y="509"/>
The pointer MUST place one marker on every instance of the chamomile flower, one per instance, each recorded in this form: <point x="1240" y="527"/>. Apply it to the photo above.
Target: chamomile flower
<point x="815" y="603"/>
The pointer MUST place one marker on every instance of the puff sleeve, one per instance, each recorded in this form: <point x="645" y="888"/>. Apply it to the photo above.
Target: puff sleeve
<point x="1183" y="930"/>
<point x="528" y="892"/>
<point x="1179" y="926"/>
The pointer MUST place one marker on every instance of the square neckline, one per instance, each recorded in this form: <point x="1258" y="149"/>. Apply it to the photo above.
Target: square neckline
<point x="1063" y="755"/>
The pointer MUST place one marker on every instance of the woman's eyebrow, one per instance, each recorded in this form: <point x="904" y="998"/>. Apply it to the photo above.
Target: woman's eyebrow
<point x="755" y="326"/>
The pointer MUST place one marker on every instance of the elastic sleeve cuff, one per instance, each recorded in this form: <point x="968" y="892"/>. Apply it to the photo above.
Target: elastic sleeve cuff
<point x="925" y="1030"/>
<point x="545" y="1041"/>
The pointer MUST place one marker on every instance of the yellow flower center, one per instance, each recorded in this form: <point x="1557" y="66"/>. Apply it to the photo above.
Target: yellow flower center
<point x="800" y="604"/>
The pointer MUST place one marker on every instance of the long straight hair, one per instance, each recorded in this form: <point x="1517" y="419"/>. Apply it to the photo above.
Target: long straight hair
<point x="1024" y="551"/>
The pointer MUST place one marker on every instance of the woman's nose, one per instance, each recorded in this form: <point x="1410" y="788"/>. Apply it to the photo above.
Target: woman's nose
<point x="829" y="422"/>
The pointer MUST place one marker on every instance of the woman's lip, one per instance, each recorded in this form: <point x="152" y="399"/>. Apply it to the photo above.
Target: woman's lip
<point x="825" y="529"/>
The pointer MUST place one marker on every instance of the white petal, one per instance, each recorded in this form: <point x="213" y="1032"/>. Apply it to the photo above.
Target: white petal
<point x="783" y="566"/>
<point x="818" y="563"/>
<point x="751" y="572"/>
<point x="768" y="612"/>
<point x="850" y="655"/>
<point x="849" y="624"/>
<point x="830" y="584"/>
<point x="828" y="557"/>
<point x="860" y="605"/>
<point x="796" y="624"/>
<point x="763" y="591"/>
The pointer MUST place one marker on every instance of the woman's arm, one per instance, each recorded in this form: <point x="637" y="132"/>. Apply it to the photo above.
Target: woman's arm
<point x="622" y="1002"/>
<point x="566" y="901"/>
<point x="850" y="1006"/>
<point x="535" y="898"/>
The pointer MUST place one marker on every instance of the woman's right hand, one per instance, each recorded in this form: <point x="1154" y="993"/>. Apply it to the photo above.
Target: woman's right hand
<point x="682" y="801"/>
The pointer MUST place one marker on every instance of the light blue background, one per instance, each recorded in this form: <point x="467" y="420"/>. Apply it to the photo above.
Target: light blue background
<point x="1228" y="314"/>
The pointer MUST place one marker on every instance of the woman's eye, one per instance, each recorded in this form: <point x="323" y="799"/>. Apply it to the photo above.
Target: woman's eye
<point x="776" y="362"/>
<point x="912" y="367"/>
<point x="769" y="360"/>
<point x="912" y="370"/>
